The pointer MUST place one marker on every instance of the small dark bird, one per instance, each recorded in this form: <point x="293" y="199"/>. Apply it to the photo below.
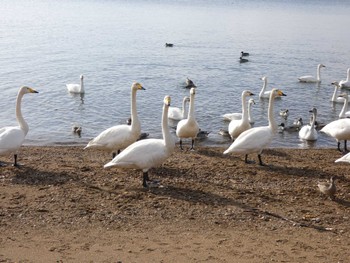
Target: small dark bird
<point x="169" y="45"/>
<point x="243" y="60"/>
<point x="77" y="130"/>
<point x="190" y="84"/>
<point x="328" y="188"/>
<point x="244" y="54"/>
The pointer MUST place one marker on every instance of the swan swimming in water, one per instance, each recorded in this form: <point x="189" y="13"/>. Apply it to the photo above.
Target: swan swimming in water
<point x="344" y="113"/>
<point x="11" y="138"/>
<point x="147" y="153"/>
<point x="236" y="127"/>
<point x="77" y="88"/>
<point x="345" y="83"/>
<point x="178" y="114"/>
<point x="121" y="136"/>
<point x="308" y="132"/>
<point x="311" y="79"/>
<point x="188" y="128"/>
<point x="256" y="139"/>
<point x="335" y="96"/>
<point x="238" y="115"/>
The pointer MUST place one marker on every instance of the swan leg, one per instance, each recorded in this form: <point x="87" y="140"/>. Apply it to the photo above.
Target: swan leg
<point x="339" y="147"/>
<point x="15" y="160"/>
<point x="246" y="159"/>
<point x="181" y="145"/>
<point x="145" y="179"/>
<point x="260" y="161"/>
<point x="115" y="154"/>
<point x="345" y="146"/>
<point x="192" y="147"/>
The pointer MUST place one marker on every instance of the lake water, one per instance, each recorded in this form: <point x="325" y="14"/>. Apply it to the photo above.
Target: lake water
<point x="46" y="44"/>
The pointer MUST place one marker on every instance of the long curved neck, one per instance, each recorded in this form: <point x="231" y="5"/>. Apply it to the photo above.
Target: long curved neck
<point x="318" y="73"/>
<point x="313" y="120"/>
<point x="264" y="87"/>
<point x="82" y="85"/>
<point x="250" y="111"/>
<point x="22" y="123"/>
<point x="348" y="76"/>
<point x="191" y="109"/>
<point x="135" y="123"/>
<point x="272" y="123"/>
<point x="168" y="140"/>
<point x="345" y="108"/>
<point x="244" y="108"/>
<point x="334" y="97"/>
<point x="183" y="110"/>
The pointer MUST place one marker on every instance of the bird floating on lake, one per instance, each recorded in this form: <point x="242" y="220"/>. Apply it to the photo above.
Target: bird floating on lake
<point x="345" y="83"/>
<point x="11" y="138"/>
<point x="244" y="54"/>
<point x="243" y="60"/>
<point x="284" y="113"/>
<point x="190" y="84"/>
<point x="169" y="45"/>
<point x="76" y="88"/>
<point x="311" y="79"/>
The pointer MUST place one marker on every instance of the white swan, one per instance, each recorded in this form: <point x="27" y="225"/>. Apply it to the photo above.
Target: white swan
<point x="238" y="115"/>
<point x="263" y="93"/>
<point x="119" y="137"/>
<point x="345" y="158"/>
<point x="11" y="138"/>
<point x="178" y="114"/>
<point x="188" y="128"/>
<point x="308" y="132"/>
<point x="77" y="88"/>
<point x="344" y="113"/>
<point x="335" y="97"/>
<point x="256" y="139"/>
<point x="339" y="130"/>
<point x="236" y="127"/>
<point x="147" y="153"/>
<point x="345" y="83"/>
<point x="311" y="79"/>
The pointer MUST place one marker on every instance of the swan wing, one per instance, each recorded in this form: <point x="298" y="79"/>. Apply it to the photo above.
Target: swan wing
<point x="175" y="113"/>
<point x="307" y="133"/>
<point x="236" y="127"/>
<point x="11" y="139"/>
<point x="115" y="138"/>
<point x="142" y="155"/>
<point x="307" y="78"/>
<point x="232" y="116"/>
<point x="252" y="140"/>
<point x="339" y="129"/>
<point x="74" y="88"/>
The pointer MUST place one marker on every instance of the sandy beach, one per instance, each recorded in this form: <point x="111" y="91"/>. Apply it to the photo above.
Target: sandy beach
<point x="62" y="206"/>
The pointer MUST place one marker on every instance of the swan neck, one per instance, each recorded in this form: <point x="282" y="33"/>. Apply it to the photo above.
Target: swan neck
<point x="244" y="108"/>
<point x="334" y="97"/>
<point x="82" y="85"/>
<point x="168" y="140"/>
<point x="22" y="123"/>
<point x="272" y="122"/>
<point x="313" y="120"/>
<point x="191" y="109"/>
<point x="135" y="123"/>
<point x="183" y="110"/>
<point x="263" y="88"/>
<point x="348" y="75"/>
<point x="318" y="73"/>
<point x="344" y="109"/>
<point x="250" y="111"/>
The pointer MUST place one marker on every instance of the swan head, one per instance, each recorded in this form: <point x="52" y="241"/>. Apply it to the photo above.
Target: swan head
<point x="247" y="93"/>
<point x="263" y="78"/>
<point x="277" y="93"/>
<point x="335" y="83"/>
<point x="313" y="110"/>
<point x="251" y="101"/>
<point x="137" y="86"/>
<point x="26" y="90"/>
<point x="167" y="100"/>
<point x="81" y="77"/>
<point x="186" y="99"/>
<point x="321" y="66"/>
<point x="193" y="91"/>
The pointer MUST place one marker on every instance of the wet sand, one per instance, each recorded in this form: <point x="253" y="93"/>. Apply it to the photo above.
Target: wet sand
<point x="62" y="206"/>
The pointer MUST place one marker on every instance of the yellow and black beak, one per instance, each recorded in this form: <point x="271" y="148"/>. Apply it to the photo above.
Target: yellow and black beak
<point x="32" y="90"/>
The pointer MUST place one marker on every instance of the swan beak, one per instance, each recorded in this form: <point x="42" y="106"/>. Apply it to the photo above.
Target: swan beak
<point x="280" y="93"/>
<point x="142" y="88"/>
<point x="32" y="90"/>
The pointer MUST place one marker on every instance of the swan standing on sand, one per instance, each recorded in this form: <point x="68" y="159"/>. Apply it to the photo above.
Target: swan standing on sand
<point x="147" y="153"/>
<point x="311" y="79"/>
<point x="119" y="137"/>
<point x="345" y="83"/>
<point x="339" y="130"/>
<point x="178" y="114"/>
<point x="328" y="188"/>
<point x="335" y="96"/>
<point x="238" y="115"/>
<point x="236" y="127"/>
<point x="188" y="128"/>
<point x="77" y="88"/>
<point x="308" y="132"/>
<point x="256" y="139"/>
<point x="11" y="138"/>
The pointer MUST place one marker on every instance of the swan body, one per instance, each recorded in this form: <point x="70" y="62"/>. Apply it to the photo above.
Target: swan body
<point x="335" y="96"/>
<point x="188" y="128"/>
<point x="345" y="158"/>
<point x="77" y="88"/>
<point x="147" y="153"/>
<point x="345" y="83"/>
<point x="328" y="188"/>
<point x="119" y="137"/>
<point x="236" y="127"/>
<point x="308" y="132"/>
<point x="178" y="114"/>
<point x="11" y="138"/>
<point x="256" y="139"/>
<point x="238" y="115"/>
<point x="339" y="130"/>
<point x="344" y="113"/>
<point x="311" y="79"/>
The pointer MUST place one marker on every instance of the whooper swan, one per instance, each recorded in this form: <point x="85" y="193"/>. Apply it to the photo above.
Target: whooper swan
<point x="311" y="79"/>
<point x="118" y="137"/>
<point x="308" y="132"/>
<point x="345" y="83"/>
<point x="77" y="88"/>
<point x="147" y="153"/>
<point x="256" y="139"/>
<point x="177" y="113"/>
<point x="238" y="115"/>
<point x="11" y="138"/>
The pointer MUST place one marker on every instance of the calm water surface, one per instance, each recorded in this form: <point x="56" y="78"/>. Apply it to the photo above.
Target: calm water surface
<point x="46" y="44"/>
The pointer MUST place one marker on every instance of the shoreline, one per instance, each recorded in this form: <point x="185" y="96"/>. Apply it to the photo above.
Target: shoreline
<point x="62" y="205"/>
